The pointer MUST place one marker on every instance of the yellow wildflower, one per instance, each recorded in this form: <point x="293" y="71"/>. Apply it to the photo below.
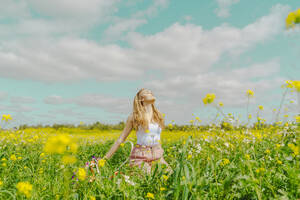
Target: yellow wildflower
<point x="260" y="170"/>
<point x="249" y="116"/>
<point x="247" y="156"/>
<point x="250" y="93"/>
<point x="13" y="157"/>
<point x="162" y="189"/>
<point x="209" y="98"/>
<point x="296" y="84"/>
<point x="73" y="147"/>
<point x="198" y="119"/>
<point x="260" y="107"/>
<point x="122" y="144"/>
<point x="268" y="151"/>
<point x="81" y="174"/>
<point x="189" y="156"/>
<point x="165" y="177"/>
<point x="221" y="104"/>
<point x="101" y="162"/>
<point x="294" y="148"/>
<point x="92" y="198"/>
<point x="150" y="195"/>
<point x="1" y="183"/>
<point x="58" y="144"/>
<point x="290" y="20"/>
<point x="25" y="188"/>
<point x="225" y="162"/>
<point x="297" y="118"/>
<point x="279" y="162"/>
<point x="68" y="159"/>
<point x="6" y="117"/>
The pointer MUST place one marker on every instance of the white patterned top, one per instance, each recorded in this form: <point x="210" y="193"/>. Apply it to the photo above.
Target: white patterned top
<point x="151" y="138"/>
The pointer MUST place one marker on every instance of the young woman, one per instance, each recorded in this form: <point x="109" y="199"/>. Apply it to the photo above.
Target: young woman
<point x="148" y="122"/>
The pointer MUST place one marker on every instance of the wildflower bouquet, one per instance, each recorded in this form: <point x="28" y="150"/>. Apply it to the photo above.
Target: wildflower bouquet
<point x="92" y="168"/>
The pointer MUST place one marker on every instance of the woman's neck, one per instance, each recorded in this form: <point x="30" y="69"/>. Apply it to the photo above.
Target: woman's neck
<point x="148" y="109"/>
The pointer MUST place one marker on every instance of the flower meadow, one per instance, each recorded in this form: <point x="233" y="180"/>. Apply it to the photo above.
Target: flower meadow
<point x="225" y="159"/>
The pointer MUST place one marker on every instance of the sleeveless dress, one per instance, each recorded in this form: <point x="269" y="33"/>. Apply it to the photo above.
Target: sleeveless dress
<point x="148" y="147"/>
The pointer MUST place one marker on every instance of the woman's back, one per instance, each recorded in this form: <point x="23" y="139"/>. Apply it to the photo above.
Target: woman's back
<point x="151" y="138"/>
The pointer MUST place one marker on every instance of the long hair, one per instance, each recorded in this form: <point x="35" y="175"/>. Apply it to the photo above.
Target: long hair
<point x="139" y="111"/>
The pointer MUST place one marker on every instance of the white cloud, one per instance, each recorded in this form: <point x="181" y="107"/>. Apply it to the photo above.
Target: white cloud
<point x="71" y="59"/>
<point x="3" y="95"/>
<point x="52" y="18"/>
<point x="224" y="6"/>
<point x="121" y="26"/>
<point x="22" y="99"/>
<point x="17" y="108"/>
<point x="104" y="102"/>
<point x="229" y="85"/>
<point x="89" y="10"/>
<point x="55" y="100"/>
<point x="68" y="59"/>
<point x="9" y="8"/>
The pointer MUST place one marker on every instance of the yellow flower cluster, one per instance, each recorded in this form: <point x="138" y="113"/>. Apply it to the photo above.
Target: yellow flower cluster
<point x="292" y="19"/>
<point x="250" y="93"/>
<point x="209" y="98"/>
<point x="260" y="170"/>
<point x="25" y="188"/>
<point x="225" y="161"/>
<point x="297" y="118"/>
<point x="58" y="144"/>
<point x="294" y="148"/>
<point x="6" y="117"/>
<point x="292" y="84"/>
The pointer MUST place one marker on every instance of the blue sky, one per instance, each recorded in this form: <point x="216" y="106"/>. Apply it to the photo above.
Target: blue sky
<point x="66" y="61"/>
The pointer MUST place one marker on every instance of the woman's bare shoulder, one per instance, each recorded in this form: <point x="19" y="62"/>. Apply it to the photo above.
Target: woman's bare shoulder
<point x="130" y="117"/>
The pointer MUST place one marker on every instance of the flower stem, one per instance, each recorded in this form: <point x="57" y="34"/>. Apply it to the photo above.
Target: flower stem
<point x="281" y="104"/>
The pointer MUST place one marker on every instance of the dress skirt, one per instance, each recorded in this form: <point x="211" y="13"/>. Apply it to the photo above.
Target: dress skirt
<point x="147" y="154"/>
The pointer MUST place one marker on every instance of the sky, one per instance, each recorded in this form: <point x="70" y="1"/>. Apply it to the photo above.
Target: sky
<point x="72" y="61"/>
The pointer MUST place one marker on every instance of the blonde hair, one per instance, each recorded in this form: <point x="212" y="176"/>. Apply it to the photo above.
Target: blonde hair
<point x="139" y="111"/>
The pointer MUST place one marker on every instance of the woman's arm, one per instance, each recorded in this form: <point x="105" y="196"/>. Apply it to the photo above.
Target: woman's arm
<point x="123" y="136"/>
